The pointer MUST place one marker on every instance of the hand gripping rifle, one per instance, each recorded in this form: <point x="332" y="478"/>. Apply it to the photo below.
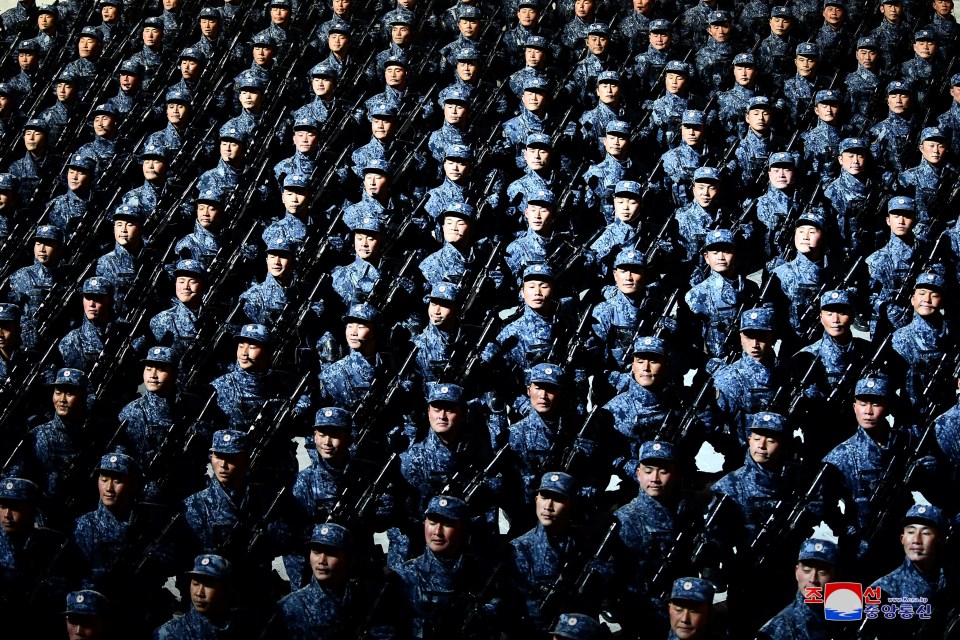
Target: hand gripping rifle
<point x="782" y="525"/>
<point x="475" y="287"/>
<point x="687" y="549"/>
<point x="269" y="424"/>
<point x="465" y="483"/>
<point x="379" y="397"/>
<point x="349" y="512"/>
<point x="576" y="577"/>
<point x="459" y="367"/>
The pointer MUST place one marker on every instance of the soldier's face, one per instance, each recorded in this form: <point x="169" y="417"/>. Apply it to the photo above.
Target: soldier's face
<point x="891" y="11"/>
<point x="331" y="443"/>
<point x="443" y="536"/>
<point x="608" y="92"/>
<point x="660" y="40"/>
<point x="251" y="356"/>
<point x="46" y="251"/>
<point x="66" y="91"/>
<point x="539" y="217"/>
<point x="467" y="70"/>
<point x="88" y="47"/>
<point x="537" y="158"/>
<point x="553" y="510"/>
<point x="151" y="36"/>
<point x="597" y="44"/>
<point x="342" y="7"/>
<point x="534" y="100"/>
<point x="626" y="207"/>
<point x="868" y="58"/>
<point x="7" y="198"/>
<point x="375" y="183"/>
<point x="544" y="398"/>
<point x="15" y="515"/>
<point x="657" y="478"/>
<point x="66" y="401"/>
<point x="262" y="55"/>
<point x="836" y="321"/>
<point x="294" y="200"/>
<point x="649" y="370"/>
<point x="943" y="7"/>
<point x="34" y="139"/>
<point x="780" y="25"/>
<point x="126" y="232"/>
<point x="828" y="111"/>
<point x="900" y="224"/>
<point x="440" y="313"/>
<point x="642" y="6"/>
<point x="805" y="66"/>
<point x="814" y="574"/>
<point x="675" y="82"/>
<point x="96" y="307"/>
<point x="116" y="490"/>
<point x="190" y="69"/>
<point x="534" y="57"/>
<point x="365" y="244"/>
<point x="27" y="60"/>
<point x="616" y="144"/>
<point x="229" y="468"/>
<point x="933" y="151"/>
<point x="279" y="15"/>
<point x="177" y="112"/>
<point x="705" y="193"/>
<point x="446" y="418"/>
<point x="629" y="278"/>
<point x="250" y="100"/>
<point x="322" y="86"/>
<point x="359" y="335"/>
<point x="833" y="15"/>
<point x="6" y="104"/>
<point x="305" y="140"/>
<point x="468" y="27"/>
<point x="807" y="239"/>
<point x="692" y="135"/>
<point x="757" y="344"/>
<point x="104" y="124"/>
<point x="207" y="595"/>
<point x="401" y="33"/>
<point x="456" y="168"/>
<point x="208" y="214"/>
<point x="407" y="4"/>
<point x="83" y="627"/>
<point x="720" y="32"/>
<point x="870" y="411"/>
<point x="455" y="112"/>
<point x="456" y="230"/>
<point x="78" y="180"/>
<point x="526" y="16"/>
<point x="171" y="5"/>
<point x="381" y="127"/>
<point x="899" y="103"/>
<point x="338" y="42"/>
<point x="109" y="13"/>
<point x="209" y="27"/>
<point x="189" y="290"/>
<point x="395" y="76"/>
<point x="9" y="334"/>
<point x="230" y="150"/>
<point x="926" y="49"/>
<point x="329" y="565"/>
<point x="744" y="75"/>
<point x="44" y="21"/>
<point x="926" y="302"/>
<point x="853" y="161"/>
<point x="764" y="447"/>
<point x="759" y="120"/>
<point x="920" y="542"/>
<point x="781" y="176"/>
<point x="279" y="263"/>
<point x="584" y="8"/>
<point x="537" y="294"/>
<point x="129" y="81"/>
<point x="689" y="619"/>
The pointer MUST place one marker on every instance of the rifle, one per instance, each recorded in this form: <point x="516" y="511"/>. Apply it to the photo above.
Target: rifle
<point x="350" y="513"/>
<point x="571" y="452"/>
<point x="701" y="541"/>
<point x="267" y="425"/>
<point x="575" y="578"/>
<point x="378" y="398"/>
<point x="483" y="276"/>
<point x="466" y="488"/>
<point x="780" y="528"/>
<point x="459" y="369"/>
<point x="244" y="536"/>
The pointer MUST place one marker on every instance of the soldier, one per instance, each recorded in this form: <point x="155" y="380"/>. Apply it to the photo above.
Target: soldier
<point x="209" y="615"/>
<point x="893" y="34"/>
<point x="703" y="212"/>
<point x="833" y="36"/>
<point x="542" y="172"/>
<point x="623" y="231"/>
<point x="667" y="110"/>
<point x="9" y="205"/>
<point x="28" y="59"/>
<point x="323" y="84"/>
<point x="891" y="138"/>
<point x="30" y="286"/>
<point x="36" y="163"/>
<point x="536" y="55"/>
<point x="633" y="30"/>
<point x="442" y="334"/>
<point x="204" y="244"/>
<point x="681" y="162"/>
<point x="864" y="83"/>
<point x="470" y="33"/>
<point x="529" y="24"/>
<point x="84" y="346"/>
<point x="12" y="352"/>
<point x="152" y="52"/>
<point x="103" y="147"/>
<point x="924" y="70"/>
<point x="611" y="107"/>
<point x="459" y="184"/>
<point x="191" y="64"/>
<point x="774" y="51"/>
<point x="87" y="615"/>
<point x="85" y="67"/>
<point x="398" y="75"/>
<point x="470" y="78"/>
<point x="690" y="608"/>
<point x="48" y="23"/>
<point x="601" y="178"/>
<point x="226" y="175"/>
<point x="928" y="181"/>
<point x="779" y="205"/>
<point x="714" y="58"/>
<point x="800" y="90"/>
<point x="68" y="210"/>
<point x="155" y="160"/>
<point x="574" y="33"/>
<point x="295" y="223"/>
<point x="130" y="84"/>
<point x="647" y="66"/>
<point x="850" y="193"/>
<point x="753" y="151"/>
<point x="534" y="117"/>
<point x="944" y="25"/>
<point x="124" y="263"/>
<point x="582" y="85"/>
<point x="817" y="565"/>
<point x="265" y="302"/>
<point x="249" y="87"/>
<point x="319" y="486"/>
<point x="112" y="23"/>
<point x="345" y="383"/>
<point x="822" y="142"/>
<point x="540" y="241"/>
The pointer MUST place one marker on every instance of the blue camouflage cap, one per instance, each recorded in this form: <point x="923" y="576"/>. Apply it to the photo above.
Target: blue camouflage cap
<point x="367" y="224"/>
<point x="281" y="243"/>
<point x="618" y="127"/>
<point x="9" y="312"/>
<point x="82" y="162"/>
<point x="538" y="271"/>
<point x="306" y="122"/>
<point x="91" y="32"/>
<point x="757" y="319"/>
<point x="129" y="211"/>
<point x="631" y="187"/>
<point x="189" y="267"/>
<point x="396" y="60"/>
<point x="610" y="77"/>
<point x="660" y="25"/>
<point x="211" y="13"/>
<point x="868" y="42"/>
<point x="782" y="157"/>
<point x="264" y="39"/>
<point x="692" y="117"/>
<point x="955" y="80"/>
<point x="86" y="602"/>
<point x="542" y="196"/>
<point x="781" y="12"/>
<point x="901" y="203"/>
<point x="836" y="298"/>
<point x="209" y="565"/>
<point x="447" y="507"/>
<point x="926" y="514"/>
<point x="834" y="3"/>
<point x="443" y="291"/>
<point x="629" y="256"/>
<point x="819" y="551"/>
<point x="454" y="94"/>
<point x="468" y="11"/>
<point x="18" y="489"/>
<point x="155" y="22"/>
<point x="161" y="355"/>
<point x="598" y="28"/>
<point x="281" y="3"/>
<point x="811" y="217"/>
<point x="926" y="35"/>
<point x="35" y="124"/>
<point x="402" y="15"/>
<point x="539" y="140"/>
<point x="536" y="84"/>
<point x="467" y="53"/>
<point x="105" y="109"/>
<point x="68" y="377"/>
<point x="458" y="209"/>
<point x="67" y="76"/>
<point x="576" y="626"/>
<point x="650" y="344"/>
<point x="873" y="385"/>
<point x="692" y="590"/>
<point x="340" y="26"/>
<point x="445" y="392"/>
<point x="929" y="280"/>
<point x="8" y="182"/>
<point x="458" y="151"/>
<point x="231" y="132"/>
<point x="324" y="70"/>
<point x="719" y="17"/>
<point x="250" y="81"/>
<point x="528" y="3"/>
<point x="706" y="174"/>
<point x="193" y="53"/>
<point x="677" y="66"/>
<point x="333" y="417"/>
<point x="132" y="68"/>
<point x="363" y="312"/>
<point x="381" y="109"/>
<point x="768" y="421"/>
<point x="536" y="42"/>
<point x="97" y="286"/>
<point x="254" y="332"/>
<point x="808" y="50"/>
<point x="717" y="237"/>
<point x="854" y="144"/>
<point x="48" y="232"/>
<point x="331" y="535"/>
<point x="6" y="89"/>
<point x="376" y="165"/>
<point x="119" y="463"/>
<point x="295" y="181"/>
<point x="562" y="484"/>
<point x="899" y="86"/>
<point x="759" y="102"/>
<point x="656" y="450"/>
<point x="744" y="60"/>
<point x="933" y="133"/>
<point x="546" y="373"/>
<point x="229" y="441"/>
<point x="214" y="195"/>
<point x="827" y="95"/>
<point x="30" y="45"/>
<point x="153" y="148"/>
<point x="48" y="8"/>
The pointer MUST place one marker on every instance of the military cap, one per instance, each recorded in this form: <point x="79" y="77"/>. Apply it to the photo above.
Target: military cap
<point x="189" y="267"/>
<point x="656" y="450"/>
<point x="546" y="373"/>
<point x="812" y="217"/>
<point x="30" y="45"/>
<point x="402" y="15"/>
<point x="468" y="12"/>
<point x="677" y="66"/>
<point x="213" y="195"/>
<point x="447" y="507"/>
<point x="86" y="602"/>
<point x="718" y="237"/>
<point x="128" y="212"/>
<point x="618" y="127"/>
<point x="926" y="514"/>
<point x="543" y="196"/>
<point x="768" y="421"/>
<point x="8" y="182"/>
<point x="340" y="26"/>
<point x="782" y="157"/>
<point x="901" y="203"/>
<point x="230" y="132"/>
<point x="9" y="312"/>
<point x="933" y="133"/>
<point x="899" y="86"/>
<point x="854" y="144"/>
<point x="458" y="152"/>
<point x="193" y="53"/>
<point x="153" y="22"/>
<point x="281" y="3"/>
<point x="719" y="17"/>
<point x="706" y="174"/>
<point x="827" y="95"/>
<point x="610" y="77"/>
<point x="249" y="81"/>
<point x="280" y="243"/>
<point x="396" y="61"/>
<point x="333" y="417"/>
<point x="781" y="12"/>
<point x="48" y="232"/>
<point x="154" y="148"/>
<point x="161" y="355"/>
<point x="650" y="344"/>
<point x="541" y="140"/>
<point x="97" y="286"/>
<point x="35" y="124"/>
<point x="6" y="89"/>
<point x="295" y="181"/>
<point x="445" y="392"/>
<point x="955" y="80"/>
<point x="692" y="590"/>
<point x="660" y="26"/>
<point x="468" y="52"/>
<point x="50" y="9"/>
<point x="369" y="224"/>
<point x="873" y="385"/>
<point x="820" y="551"/>
<point x="744" y="60"/>
<point x="376" y="165"/>
<point x="757" y="319"/>
<point x="444" y="291"/>
<point x="91" y="32"/>
<point x="808" y="50"/>
<point x="18" y="489"/>
<point x="536" y="83"/>
<point x="105" y="109"/>
<point x="211" y="13"/>
<point x="68" y="377"/>
<point x="331" y="535"/>
<point x="562" y="484"/>
<point x="364" y="312"/>
<point x="460" y="210"/>
<point x="381" y="109"/>
<point x="834" y="3"/>
<point x="82" y="162"/>
<point x="536" y="42"/>
<point x="229" y="441"/>
<point x="538" y="271"/>
<point x="209" y="565"/>
<point x="692" y="117"/>
<point x="576" y="626"/>
<point x="119" y="463"/>
<point x="324" y="70"/>
<point x="264" y="39"/>
<point x="132" y="68"/>
<point x="627" y="186"/>
<point x="929" y="280"/>
<point x="759" y="102"/>
<point x="868" y="42"/>
<point x="630" y="256"/>
<point x="255" y="332"/>
<point x="925" y="35"/>
<point x="889" y="1"/>
<point x="535" y="4"/>
<point x="67" y="76"/>
<point x="598" y="28"/>
<point x="836" y="298"/>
